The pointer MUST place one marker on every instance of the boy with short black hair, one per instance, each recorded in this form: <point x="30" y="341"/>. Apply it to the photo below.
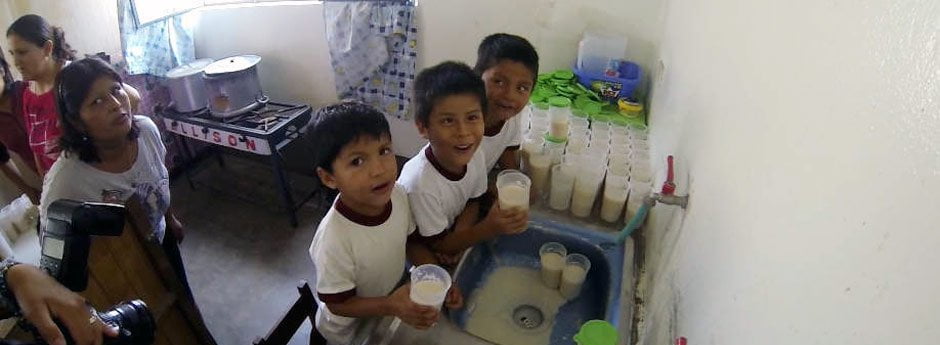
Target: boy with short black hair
<point x="360" y="246"/>
<point x="509" y="66"/>
<point x="447" y="177"/>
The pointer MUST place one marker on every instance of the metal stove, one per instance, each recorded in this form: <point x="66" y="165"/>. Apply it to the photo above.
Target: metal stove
<point x="263" y="131"/>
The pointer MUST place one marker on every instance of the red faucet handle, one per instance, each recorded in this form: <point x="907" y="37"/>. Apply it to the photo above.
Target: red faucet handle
<point x="669" y="187"/>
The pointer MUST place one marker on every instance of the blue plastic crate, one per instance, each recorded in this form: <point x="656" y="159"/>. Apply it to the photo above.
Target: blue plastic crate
<point x="610" y="88"/>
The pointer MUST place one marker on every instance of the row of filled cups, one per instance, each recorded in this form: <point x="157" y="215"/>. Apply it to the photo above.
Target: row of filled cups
<point x="601" y="161"/>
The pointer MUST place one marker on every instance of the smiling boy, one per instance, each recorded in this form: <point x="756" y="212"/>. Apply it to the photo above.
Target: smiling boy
<point x="447" y="177"/>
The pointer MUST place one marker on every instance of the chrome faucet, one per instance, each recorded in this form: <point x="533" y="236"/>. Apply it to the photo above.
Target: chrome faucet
<point x="677" y="200"/>
<point x="667" y="197"/>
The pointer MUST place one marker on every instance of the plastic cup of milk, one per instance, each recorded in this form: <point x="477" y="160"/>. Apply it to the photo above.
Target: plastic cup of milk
<point x="429" y="285"/>
<point x="562" y="185"/>
<point x="599" y="126"/>
<point x="640" y="172"/>
<point x="572" y="277"/>
<point x="552" y="256"/>
<point x="512" y="188"/>
<point x="615" y="193"/>
<point x="586" y="186"/>
<point x="639" y="190"/>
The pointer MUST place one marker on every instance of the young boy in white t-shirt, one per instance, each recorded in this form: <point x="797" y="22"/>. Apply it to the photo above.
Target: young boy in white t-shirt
<point x="447" y="177"/>
<point x="509" y="66"/>
<point x="360" y="246"/>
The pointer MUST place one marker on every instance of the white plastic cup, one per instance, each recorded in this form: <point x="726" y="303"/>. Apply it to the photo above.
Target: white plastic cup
<point x="600" y="126"/>
<point x="562" y="186"/>
<point x="579" y="124"/>
<point x="619" y="129"/>
<point x="640" y="172"/>
<point x="552" y="256"/>
<point x="576" y="269"/>
<point x="531" y="145"/>
<point x="638" y="134"/>
<point x="429" y="285"/>
<point x="540" y="165"/>
<point x="616" y="188"/>
<point x="586" y="186"/>
<point x="512" y="188"/>
<point x="559" y="122"/>
<point x="638" y="192"/>
<point x="576" y="145"/>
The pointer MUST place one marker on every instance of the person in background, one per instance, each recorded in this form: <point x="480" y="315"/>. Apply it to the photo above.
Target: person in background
<point x="110" y="155"/>
<point x="39" y="52"/>
<point x="360" y="246"/>
<point x="12" y="131"/>
<point x="446" y="180"/>
<point x="509" y="66"/>
<point x="28" y="291"/>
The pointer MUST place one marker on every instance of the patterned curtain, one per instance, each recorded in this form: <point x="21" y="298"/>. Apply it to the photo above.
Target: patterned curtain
<point x="156" y="47"/>
<point x="373" y="48"/>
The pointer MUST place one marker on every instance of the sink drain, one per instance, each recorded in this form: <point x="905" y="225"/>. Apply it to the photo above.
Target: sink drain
<point x="527" y="317"/>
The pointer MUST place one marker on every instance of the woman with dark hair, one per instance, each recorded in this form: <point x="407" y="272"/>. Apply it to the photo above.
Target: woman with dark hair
<point x="110" y="155"/>
<point x="13" y="132"/>
<point x="39" y="52"/>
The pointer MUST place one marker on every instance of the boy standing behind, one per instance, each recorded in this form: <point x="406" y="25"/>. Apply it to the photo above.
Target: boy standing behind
<point x="509" y="65"/>
<point x="360" y="246"/>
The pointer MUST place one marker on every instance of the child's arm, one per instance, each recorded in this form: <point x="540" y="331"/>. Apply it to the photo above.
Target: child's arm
<point x="397" y="304"/>
<point x="510" y="158"/>
<point x="467" y="232"/>
<point x="418" y="252"/>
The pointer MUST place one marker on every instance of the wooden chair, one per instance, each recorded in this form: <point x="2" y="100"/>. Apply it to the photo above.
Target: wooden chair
<point x="305" y="307"/>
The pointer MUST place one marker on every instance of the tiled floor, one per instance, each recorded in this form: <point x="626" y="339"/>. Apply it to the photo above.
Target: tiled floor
<point x="242" y="257"/>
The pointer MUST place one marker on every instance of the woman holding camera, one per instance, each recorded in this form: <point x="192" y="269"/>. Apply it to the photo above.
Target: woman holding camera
<point x="110" y="155"/>
<point x="29" y="291"/>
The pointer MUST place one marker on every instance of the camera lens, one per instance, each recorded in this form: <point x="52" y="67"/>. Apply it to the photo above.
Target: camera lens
<point x="134" y="320"/>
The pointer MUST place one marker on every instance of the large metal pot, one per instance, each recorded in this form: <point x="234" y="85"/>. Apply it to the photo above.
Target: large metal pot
<point x="233" y="86"/>
<point x="188" y="87"/>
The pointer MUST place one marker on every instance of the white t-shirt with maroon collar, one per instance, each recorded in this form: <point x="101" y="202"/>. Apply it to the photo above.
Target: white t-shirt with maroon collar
<point x="357" y="255"/>
<point x="509" y="136"/>
<point x="437" y="197"/>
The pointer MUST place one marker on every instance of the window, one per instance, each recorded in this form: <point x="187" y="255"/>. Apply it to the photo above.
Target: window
<point x="148" y="11"/>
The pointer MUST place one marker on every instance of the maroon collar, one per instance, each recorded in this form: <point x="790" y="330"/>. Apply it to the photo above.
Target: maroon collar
<point x="440" y="168"/>
<point x="493" y="131"/>
<point x="362" y="219"/>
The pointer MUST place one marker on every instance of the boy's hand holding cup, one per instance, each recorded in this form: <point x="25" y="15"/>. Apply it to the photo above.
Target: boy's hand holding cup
<point x="415" y="315"/>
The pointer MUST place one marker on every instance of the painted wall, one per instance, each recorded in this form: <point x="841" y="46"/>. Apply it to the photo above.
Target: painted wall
<point x="807" y="137"/>
<point x="296" y="64"/>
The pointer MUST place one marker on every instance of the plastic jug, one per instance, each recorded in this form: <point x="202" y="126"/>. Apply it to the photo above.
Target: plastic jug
<point x="595" y="51"/>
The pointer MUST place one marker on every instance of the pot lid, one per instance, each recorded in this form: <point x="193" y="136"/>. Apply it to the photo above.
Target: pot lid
<point x="233" y="64"/>
<point x="189" y="69"/>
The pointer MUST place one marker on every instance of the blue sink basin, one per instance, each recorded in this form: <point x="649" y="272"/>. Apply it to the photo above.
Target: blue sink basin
<point x="600" y="294"/>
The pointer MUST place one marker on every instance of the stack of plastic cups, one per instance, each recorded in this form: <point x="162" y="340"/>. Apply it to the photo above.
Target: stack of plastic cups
<point x="538" y="123"/>
<point x="617" y="129"/>
<point x="578" y="124"/>
<point x="616" y="189"/>
<point x="600" y="126"/>
<point x="577" y="144"/>
<point x="539" y="113"/>
<point x="640" y="186"/>
<point x="563" y="177"/>
<point x="558" y="114"/>
<point x="587" y="183"/>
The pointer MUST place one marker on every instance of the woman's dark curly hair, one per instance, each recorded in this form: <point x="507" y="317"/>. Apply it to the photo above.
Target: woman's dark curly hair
<point x="72" y="86"/>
